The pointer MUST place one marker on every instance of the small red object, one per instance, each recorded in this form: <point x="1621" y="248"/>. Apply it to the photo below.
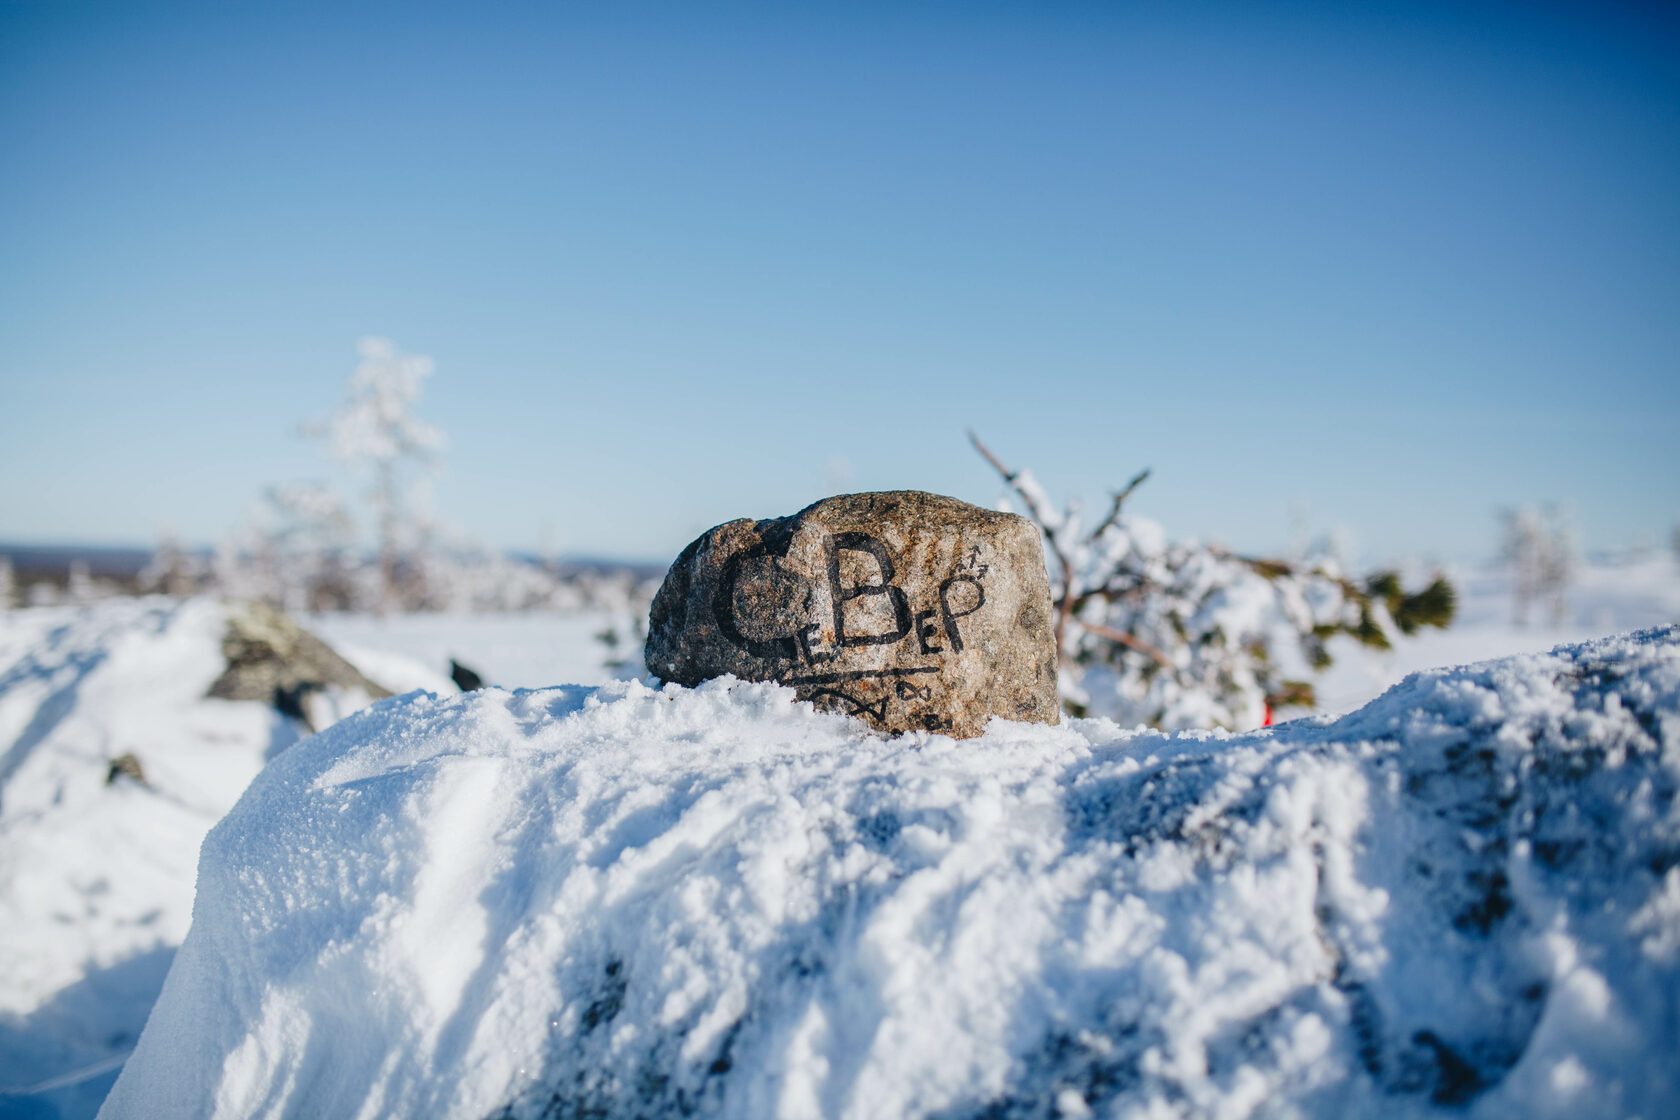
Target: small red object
<point x="1268" y="722"/>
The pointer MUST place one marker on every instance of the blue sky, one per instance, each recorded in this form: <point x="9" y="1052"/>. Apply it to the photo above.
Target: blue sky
<point x="1382" y="268"/>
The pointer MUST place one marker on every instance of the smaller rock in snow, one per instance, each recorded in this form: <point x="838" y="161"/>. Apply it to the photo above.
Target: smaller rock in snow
<point x="909" y="610"/>
<point x="273" y="659"/>
<point x="465" y="679"/>
<point x="125" y="765"/>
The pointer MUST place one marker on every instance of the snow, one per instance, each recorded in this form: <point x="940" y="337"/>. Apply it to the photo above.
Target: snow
<point x="96" y="875"/>
<point x="96" y="880"/>
<point x="512" y="650"/>
<point x="634" y="900"/>
<point x="1606" y="597"/>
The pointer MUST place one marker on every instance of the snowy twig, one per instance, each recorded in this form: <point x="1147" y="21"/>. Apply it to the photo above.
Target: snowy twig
<point x="1064" y="601"/>
<point x="1272" y="569"/>
<point x="1126" y="640"/>
<point x="1119" y="497"/>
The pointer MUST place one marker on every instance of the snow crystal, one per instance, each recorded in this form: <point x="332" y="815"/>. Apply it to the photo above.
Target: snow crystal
<point x="645" y="901"/>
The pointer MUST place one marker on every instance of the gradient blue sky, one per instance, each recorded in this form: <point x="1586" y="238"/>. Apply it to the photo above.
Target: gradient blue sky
<point x="1395" y="266"/>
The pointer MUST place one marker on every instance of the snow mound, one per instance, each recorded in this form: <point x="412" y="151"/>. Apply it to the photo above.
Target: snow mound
<point x="630" y="901"/>
<point x="98" y="855"/>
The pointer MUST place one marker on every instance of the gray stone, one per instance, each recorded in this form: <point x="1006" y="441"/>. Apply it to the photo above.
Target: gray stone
<point x="273" y="659"/>
<point x="908" y="610"/>
<point x="125" y="765"/>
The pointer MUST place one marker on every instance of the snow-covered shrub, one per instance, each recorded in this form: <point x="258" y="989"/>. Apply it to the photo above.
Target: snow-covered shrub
<point x="296" y="554"/>
<point x="468" y="577"/>
<point x="1539" y="547"/>
<point x="300" y="550"/>
<point x="299" y="569"/>
<point x="376" y="427"/>
<point x="622" y="641"/>
<point x="174" y="570"/>
<point x="1180" y="635"/>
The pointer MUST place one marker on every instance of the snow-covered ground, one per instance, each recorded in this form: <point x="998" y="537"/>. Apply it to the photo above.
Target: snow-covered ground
<point x="96" y="877"/>
<point x="626" y="901"/>
<point x="1606" y="598"/>
<point x="97" y="869"/>
<point x="508" y="650"/>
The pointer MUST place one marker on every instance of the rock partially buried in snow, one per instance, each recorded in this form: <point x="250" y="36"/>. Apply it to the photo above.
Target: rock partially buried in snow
<point x="909" y="610"/>
<point x="272" y="659"/>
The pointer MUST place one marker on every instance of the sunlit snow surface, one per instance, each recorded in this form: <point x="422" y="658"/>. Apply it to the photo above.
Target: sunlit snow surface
<point x="638" y="902"/>
<point x="96" y="875"/>
<point x="96" y="879"/>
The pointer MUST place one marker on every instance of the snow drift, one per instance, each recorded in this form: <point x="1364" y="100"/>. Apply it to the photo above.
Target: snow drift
<point x="631" y="901"/>
<point x="97" y="859"/>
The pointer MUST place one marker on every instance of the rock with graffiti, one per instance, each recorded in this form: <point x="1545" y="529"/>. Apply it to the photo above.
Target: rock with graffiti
<point x="909" y="610"/>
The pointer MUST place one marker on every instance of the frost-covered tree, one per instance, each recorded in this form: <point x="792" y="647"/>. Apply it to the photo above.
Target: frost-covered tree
<point x="299" y="549"/>
<point x="316" y="534"/>
<point x="375" y="427"/>
<point x="79" y="586"/>
<point x="1180" y="635"/>
<point x="8" y="584"/>
<point x="1539" y="548"/>
<point x="297" y="553"/>
<point x="173" y="570"/>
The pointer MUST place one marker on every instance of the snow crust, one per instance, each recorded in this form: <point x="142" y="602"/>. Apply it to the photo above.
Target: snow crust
<point x="639" y="901"/>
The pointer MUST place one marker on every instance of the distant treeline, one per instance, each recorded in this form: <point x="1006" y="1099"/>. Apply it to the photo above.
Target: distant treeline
<point x="51" y="563"/>
<point x="122" y="565"/>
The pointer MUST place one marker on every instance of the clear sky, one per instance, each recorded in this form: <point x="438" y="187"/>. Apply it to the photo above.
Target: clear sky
<point x="1382" y="267"/>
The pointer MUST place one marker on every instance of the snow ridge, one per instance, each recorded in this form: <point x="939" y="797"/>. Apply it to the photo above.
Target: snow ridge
<point x="662" y="901"/>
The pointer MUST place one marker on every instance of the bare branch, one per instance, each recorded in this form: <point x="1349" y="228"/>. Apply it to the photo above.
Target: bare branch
<point x="1012" y="477"/>
<point x="1111" y="592"/>
<point x="1064" y="601"/>
<point x="1119" y="498"/>
<point x="986" y="452"/>
<point x="1126" y="640"/>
